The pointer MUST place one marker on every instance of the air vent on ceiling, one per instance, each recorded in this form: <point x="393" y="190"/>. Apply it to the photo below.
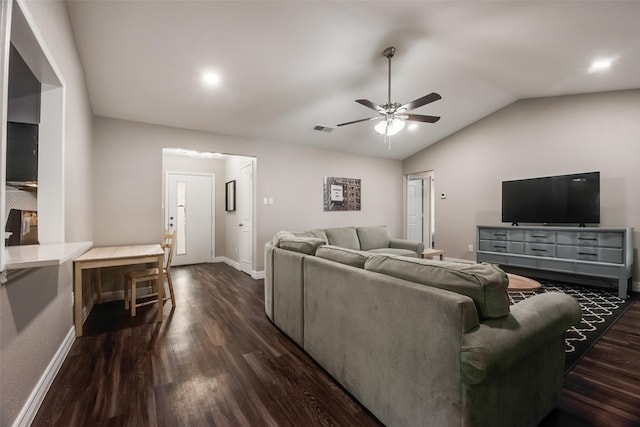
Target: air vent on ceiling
<point x="323" y="128"/>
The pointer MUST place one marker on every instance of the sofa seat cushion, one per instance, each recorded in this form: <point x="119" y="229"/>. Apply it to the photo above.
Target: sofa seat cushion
<point x="373" y="237"/>
<point x="485" y="284"/>
<point x="345" y="237"/>
<point x="394" y="251"/>
<point x="343" y="256"/>
<point x="305" y="245"/>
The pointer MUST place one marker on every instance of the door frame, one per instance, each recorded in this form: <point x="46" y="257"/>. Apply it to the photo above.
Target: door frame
<point x="213" y="204"/>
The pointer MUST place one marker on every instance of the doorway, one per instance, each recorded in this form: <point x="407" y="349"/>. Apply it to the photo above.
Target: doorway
<point x="420" y="208"/>
<point x="189" y="211"/>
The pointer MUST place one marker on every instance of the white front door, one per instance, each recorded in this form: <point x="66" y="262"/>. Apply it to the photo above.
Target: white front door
<point x="189" y="210"/>
<point x="245" y="206"/>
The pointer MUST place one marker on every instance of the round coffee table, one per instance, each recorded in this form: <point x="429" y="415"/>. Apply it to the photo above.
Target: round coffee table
<point x="520" y="283"/>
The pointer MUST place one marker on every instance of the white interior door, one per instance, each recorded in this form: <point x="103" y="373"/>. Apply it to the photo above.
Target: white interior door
<point x="415" y="204"/>
<point x="421" y="208"/>
<point x="245" y="206"/>
<point x="189" y="211"/>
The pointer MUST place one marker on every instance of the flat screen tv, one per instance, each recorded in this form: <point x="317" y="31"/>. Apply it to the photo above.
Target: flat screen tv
<point x="564" y="199"/>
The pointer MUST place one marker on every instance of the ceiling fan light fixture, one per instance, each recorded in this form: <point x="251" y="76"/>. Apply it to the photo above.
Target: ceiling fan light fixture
<point x="390" y="127"/>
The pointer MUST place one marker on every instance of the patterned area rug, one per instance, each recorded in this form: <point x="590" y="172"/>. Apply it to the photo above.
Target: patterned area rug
<point x="600" y="309"/>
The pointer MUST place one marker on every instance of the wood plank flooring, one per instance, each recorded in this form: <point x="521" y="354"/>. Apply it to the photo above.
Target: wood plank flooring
<point x="216" y="360"/>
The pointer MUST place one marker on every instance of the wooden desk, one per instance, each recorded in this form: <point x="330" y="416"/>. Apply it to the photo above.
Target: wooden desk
<point x="113" y="256"/>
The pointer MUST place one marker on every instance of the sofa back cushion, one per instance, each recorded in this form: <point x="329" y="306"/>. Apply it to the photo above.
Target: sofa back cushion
<point x="343" y="256"/>
<point x="485" y="284"/>
<point x="320" y="234"/>
<point x="345" y="237"/>
<point x="305" y="245"/>
<point x="373" y="237"/>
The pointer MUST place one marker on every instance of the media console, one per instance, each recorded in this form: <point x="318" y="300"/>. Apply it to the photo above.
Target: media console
<point x="588" y="251"/>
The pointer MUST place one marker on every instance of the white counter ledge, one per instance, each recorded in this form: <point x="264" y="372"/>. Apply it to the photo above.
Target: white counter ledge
<point x="31" y="256"/>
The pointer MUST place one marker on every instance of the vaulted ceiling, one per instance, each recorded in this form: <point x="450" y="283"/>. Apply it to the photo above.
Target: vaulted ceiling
<point x="286" y="66"/>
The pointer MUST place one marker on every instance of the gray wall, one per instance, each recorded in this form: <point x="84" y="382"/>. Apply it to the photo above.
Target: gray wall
<point x="128" y="183"/>
<point x="35" y="304"/>
<point x="532" y="138"/>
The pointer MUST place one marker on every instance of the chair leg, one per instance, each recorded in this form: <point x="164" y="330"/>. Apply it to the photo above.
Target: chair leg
<point x="127" y="283"/>
<point x="173" y="298"/>
<point x="134" y="285"/>
<point x="99" y="283"/>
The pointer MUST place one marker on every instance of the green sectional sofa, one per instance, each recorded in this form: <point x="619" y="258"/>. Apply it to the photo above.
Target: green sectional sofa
<point x="419" y="342"/>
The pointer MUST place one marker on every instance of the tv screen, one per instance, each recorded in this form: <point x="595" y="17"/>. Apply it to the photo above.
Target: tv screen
<point x="563" y="199"/>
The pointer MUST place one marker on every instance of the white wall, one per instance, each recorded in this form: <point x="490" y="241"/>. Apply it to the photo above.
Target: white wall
<point x="128" y="181"/>
<point x="52" y="20"/>
<point x="532" y="138"/>
<point x="35" y="304"/>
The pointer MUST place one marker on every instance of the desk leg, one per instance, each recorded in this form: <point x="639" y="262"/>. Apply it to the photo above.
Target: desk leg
<point x="160" y="287"/>
<point x="77" y="298"/>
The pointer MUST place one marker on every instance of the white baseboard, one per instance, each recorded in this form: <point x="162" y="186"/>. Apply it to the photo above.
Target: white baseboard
<point x="257" y="275"/>
<point x="232" y="263"/>
<point x="31" y="406"/>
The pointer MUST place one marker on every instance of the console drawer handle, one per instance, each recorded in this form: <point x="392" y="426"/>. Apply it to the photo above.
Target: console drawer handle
<point x="587" y="238"/>
<point x="538" y="250"/>
<point x="539" y="236"/>
<point x="498" y="246"/>
<point x="499" y="234"/>
<point x="587" y="253"/>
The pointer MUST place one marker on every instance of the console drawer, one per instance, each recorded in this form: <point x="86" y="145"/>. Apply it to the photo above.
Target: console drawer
<point x="594" y="238"/>
<point x="501" y="246"/>
<point x="540" y="236"/>
<point x="501" y="234"/>
<point x="585" y="253"/>
<point x="540" y="249"/>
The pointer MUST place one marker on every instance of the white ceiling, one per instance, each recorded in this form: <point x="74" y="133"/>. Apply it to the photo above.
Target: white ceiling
<point x="289" y="65"/>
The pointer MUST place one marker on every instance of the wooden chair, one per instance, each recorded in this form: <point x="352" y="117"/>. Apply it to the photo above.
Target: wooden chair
<point x="132" y="278"/>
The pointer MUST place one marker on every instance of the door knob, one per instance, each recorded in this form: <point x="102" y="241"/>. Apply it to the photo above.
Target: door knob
<point x="240" y="225"/>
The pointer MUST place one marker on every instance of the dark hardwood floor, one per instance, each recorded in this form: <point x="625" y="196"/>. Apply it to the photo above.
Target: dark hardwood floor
<point x="217" y="360"/>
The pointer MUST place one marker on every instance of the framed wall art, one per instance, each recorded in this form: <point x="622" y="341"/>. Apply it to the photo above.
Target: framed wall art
<point x="341" y="194"/>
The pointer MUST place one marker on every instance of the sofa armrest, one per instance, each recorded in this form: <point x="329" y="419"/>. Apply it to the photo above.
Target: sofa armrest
<point x="411" y="245"/>
<point x="498" y="344"/>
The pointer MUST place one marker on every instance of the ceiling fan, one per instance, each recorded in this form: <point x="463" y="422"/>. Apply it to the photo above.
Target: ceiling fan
<point x="395" y="114"/>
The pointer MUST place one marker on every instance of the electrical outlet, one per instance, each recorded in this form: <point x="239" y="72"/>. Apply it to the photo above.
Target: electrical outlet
<point x="470" y="248"/>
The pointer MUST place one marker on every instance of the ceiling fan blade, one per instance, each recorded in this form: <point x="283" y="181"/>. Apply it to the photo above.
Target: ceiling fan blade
<point x="420" y="102"/>
<point x="361" y="120"/>
<point x="421" y="118"/>
<point x="371" y="105"/>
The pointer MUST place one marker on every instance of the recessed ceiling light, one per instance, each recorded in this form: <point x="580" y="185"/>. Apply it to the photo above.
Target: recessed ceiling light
<point x="210" y="79"/>
<point x="600" y="65"/>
